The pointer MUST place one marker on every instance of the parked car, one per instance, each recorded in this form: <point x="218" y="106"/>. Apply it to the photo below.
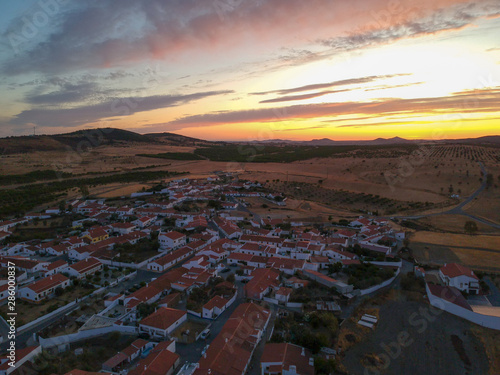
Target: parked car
<point x="205" y="334"/>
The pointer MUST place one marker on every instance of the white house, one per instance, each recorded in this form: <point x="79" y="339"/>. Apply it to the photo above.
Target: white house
<point x="216" y="306"/>
<point x="43" y="288"/>
<point x="162" y="322"/>
<point x="84" y="267"/>
<point x="171" y="240"/>
<point x="461" y="277"/>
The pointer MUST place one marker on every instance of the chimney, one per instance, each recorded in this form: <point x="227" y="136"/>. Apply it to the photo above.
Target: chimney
<point x="205" y="355"/>
<point x="303" y="353"/>
<point x="311" y="361"/>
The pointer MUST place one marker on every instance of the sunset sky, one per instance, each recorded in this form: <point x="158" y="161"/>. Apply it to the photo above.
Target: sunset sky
<point x="252" y="69"/>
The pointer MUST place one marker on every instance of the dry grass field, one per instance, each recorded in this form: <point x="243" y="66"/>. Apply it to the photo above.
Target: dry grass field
<point x="478" y="252"/>
<point x="425" y="177"/>
<point x="455" y="224"/>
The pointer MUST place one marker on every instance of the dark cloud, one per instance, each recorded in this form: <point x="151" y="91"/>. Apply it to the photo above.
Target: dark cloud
<point x="117" y="107"/>
<point x="440" y="20"/>
<point x="68" y="93"/>
<point x="104" y="33"/>
<point x="301" y="97"/>
<point x="468" y="102"/>
<point x="319" y="86"/>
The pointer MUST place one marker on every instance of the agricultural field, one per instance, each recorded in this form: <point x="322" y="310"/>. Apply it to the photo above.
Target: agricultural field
<point x="388" y="179"/>
<point x="480" y="252"/>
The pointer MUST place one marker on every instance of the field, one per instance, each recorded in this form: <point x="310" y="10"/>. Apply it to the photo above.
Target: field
<point x="394" y="179"/>
<point x="453" y="224"/>
<point x="481" y="252"/>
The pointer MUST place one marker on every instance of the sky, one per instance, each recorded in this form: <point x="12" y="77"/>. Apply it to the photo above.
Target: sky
<point x="252" y="69"/>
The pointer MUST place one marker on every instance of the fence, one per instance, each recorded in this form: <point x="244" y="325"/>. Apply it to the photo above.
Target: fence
<point x="41" y="319"/>
<point x="69" y="306"/>
<point x="381" y="285"/>
<point x="73" y="337"/>
<point x="198" y="314"/>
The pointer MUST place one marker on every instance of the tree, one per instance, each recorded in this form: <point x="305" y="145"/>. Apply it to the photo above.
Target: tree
<point x="335" y="267"/>
<point x="59" y="291"/>
<point x="470" y="227"/>
<point x="489" y="179"/>
<point x="84" y="190"/>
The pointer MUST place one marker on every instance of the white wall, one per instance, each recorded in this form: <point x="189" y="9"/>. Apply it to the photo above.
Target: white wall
<point x="488" y="321"/>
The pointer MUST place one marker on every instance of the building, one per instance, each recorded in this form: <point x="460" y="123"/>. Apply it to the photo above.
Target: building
<point x="165" y="262"/>
<point x="461" y="277"/>
<point x="283" y="294"/>
<point x="22" y="356"/>
<point x="263" y="281"/>
<point x="84" y="267"/>
<point x="44" y="288"/>
<point x="171" y="240"/>
<point x="123" y="228"/>
<point x="230" y="352"/>
<point x="96" y="235"/>
<point x="286" y="359"/>
<point x="328" y="281"/>
<point x="162" y="360"/>
<point x="56" y="267"/>
<point x="127" y="355"/>
<point x="162" y="322"/>
<point x="213" y="308"/>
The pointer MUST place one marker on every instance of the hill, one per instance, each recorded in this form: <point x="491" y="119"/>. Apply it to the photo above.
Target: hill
<point x="84" y="139"/>
<point x="176" y="139"/>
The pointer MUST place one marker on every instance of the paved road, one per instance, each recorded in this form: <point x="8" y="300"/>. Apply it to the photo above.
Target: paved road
<point x="244" y="208"/>
<point x="192" y="352"/>
<point x="494" y="296"/>
<point x="458" y="210"/>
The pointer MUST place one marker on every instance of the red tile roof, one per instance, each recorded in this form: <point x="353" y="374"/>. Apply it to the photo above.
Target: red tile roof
<point x="455" y="270"/>
<point x="86" y="265"/>
<point x="163" y="318"/>
<point x="230" y="352"/>
<point x="216" y="301"/>
<point x="56" y="264"/>
<point x="47" y="283"/>
<point x="159" y="362"/>
<point x="450" y="294"/>
<point x="174" y="235"/>
<point x="288" y="355"/>
<point x="263" y="278"/>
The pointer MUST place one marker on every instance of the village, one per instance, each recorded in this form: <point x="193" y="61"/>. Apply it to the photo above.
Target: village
<point x="187" y="279"/>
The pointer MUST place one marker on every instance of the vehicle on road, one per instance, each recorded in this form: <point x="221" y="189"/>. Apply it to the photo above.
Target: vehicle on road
<point x="204" y="335"/>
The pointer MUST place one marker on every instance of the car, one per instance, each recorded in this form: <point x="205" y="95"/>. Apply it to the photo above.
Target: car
<point x="204" y="335"/>
<point x="233" y="265"/>
<point x="225" y="270"/>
